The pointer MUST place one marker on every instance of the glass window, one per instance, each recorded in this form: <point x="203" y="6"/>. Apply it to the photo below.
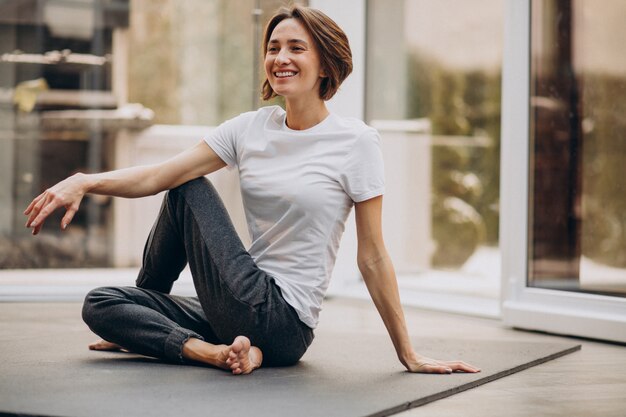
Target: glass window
<point x="196" y="62"/>
<point x="55" y="75"/>
<point x="433" y="91"/>
<point x="69" y="70"/>
<point x="578" y="146"/>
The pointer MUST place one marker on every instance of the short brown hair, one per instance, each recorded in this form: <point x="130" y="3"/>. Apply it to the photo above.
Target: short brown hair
<point x="331" y="42"/>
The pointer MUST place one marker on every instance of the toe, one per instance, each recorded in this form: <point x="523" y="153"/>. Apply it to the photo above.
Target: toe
<point x="236" y="347"/>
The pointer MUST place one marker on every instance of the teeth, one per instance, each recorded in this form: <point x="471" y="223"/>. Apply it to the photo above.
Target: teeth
<point x="285" y="74"/>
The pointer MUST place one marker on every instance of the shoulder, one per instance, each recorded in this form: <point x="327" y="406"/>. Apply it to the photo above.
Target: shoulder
<point x="356" y="128"/>
<point x="255" y="116"/>
<point x="274" y="113"/>
<point x="268" y="111"/>
<point x="352" y="123"/>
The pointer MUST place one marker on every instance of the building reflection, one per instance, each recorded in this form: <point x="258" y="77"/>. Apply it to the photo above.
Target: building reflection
<point x="578" y="148"/>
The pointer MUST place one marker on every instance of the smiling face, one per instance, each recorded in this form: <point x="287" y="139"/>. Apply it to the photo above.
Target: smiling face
<point x="292" y="63"/>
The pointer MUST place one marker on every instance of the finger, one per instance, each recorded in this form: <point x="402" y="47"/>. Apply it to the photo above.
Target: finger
<point x="32" y="204"/>
<point x="462" y="366"/>
<point x="38" y="228"/>
<point x="31" y="211"/>
<point x="36" y="209"/>
<point x="43" y="214"/>
<point x="67" y="219"/>
<point x="436" y="369"/>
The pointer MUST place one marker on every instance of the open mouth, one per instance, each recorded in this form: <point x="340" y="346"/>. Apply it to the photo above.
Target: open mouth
<point x="284" y="74"/>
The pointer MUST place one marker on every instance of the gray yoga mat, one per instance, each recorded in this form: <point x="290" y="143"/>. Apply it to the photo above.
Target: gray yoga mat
<point x="46" y="369"/>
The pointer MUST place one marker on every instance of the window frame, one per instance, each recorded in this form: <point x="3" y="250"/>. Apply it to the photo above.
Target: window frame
<point x="555" y="311"/>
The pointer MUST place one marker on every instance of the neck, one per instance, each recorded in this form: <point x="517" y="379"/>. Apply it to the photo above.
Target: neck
<point x="304" y="115"/>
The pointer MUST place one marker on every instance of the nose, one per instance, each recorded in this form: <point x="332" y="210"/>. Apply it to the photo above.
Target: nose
<point x="282" y="58"/>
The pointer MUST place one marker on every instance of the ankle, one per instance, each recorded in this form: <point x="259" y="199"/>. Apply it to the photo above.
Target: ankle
<point x="201" y="351"/>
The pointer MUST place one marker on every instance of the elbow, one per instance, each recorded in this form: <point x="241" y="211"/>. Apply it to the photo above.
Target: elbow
<point x="156" y="180"/>
<point x="153" y="187"/>
<point x="371" y="263"/>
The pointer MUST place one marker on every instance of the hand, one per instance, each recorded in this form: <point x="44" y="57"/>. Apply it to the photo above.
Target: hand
<point x="423" y="364"/>
<point x="68" y="193"/>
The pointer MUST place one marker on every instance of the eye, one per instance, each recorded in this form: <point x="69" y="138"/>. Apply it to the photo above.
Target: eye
<point x="297" y="48"/>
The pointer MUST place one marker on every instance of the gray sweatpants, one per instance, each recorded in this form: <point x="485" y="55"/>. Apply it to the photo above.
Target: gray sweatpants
<point x="234" y="296"/>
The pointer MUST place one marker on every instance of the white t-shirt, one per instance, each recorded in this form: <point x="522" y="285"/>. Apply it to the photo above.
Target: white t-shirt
<point x="298" y="187"/>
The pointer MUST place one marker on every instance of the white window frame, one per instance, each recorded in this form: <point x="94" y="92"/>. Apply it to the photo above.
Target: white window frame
<point x="562" y="312"/>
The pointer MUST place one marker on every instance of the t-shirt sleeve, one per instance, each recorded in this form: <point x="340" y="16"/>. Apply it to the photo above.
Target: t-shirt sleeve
<point x="363" y="174"/>
<point x="225" y="139"/>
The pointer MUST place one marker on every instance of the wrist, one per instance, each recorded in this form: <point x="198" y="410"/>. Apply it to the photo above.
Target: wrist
<point x="85" y="182"/>
<point x="407" y="356"/>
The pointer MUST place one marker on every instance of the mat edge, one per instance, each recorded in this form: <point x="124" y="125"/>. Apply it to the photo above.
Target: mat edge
<point x="465" y="387"/>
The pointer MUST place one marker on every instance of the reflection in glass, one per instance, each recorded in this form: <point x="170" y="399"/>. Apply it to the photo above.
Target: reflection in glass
<point x="55" y="84"/>
<point x="68" y="71"/>
<point x="578" y="146"/>
<point x="433" y="91"/>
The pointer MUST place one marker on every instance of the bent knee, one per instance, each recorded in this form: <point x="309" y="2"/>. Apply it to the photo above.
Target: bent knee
<point x="100" y="294"/>
<point x="95" y="300"/>
<point x="196" y="184"/>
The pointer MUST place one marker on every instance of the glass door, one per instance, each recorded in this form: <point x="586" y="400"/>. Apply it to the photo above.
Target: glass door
<point x="437" y="109"/>
<point x="564" y="150"/>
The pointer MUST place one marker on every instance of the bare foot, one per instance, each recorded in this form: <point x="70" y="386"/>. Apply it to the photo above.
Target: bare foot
<point x="243" y="358"/>
<point x="104" y="345"/>
<point x="239" y="357"/>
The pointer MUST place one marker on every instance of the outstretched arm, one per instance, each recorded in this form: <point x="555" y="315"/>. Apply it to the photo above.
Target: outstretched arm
<point x="132" y="182"/>
<point x="380" y="279"/>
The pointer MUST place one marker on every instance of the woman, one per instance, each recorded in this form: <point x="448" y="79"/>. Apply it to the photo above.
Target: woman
<point x="301" y="172"/>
